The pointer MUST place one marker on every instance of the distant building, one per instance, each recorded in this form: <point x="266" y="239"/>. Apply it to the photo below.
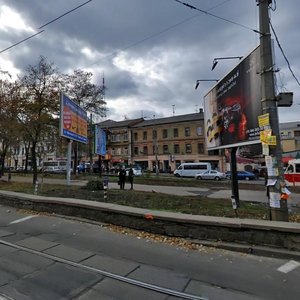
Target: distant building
<point x="290" y="139"/>
<point x="118" y="147"/>
<point x="164" y="143"/>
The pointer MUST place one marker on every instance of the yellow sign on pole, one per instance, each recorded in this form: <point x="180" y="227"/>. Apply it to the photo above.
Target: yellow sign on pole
<point x="266" y="137"/>
<point x="264" y="120"/>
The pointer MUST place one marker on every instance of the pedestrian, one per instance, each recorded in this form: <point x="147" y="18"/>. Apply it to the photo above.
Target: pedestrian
<point x="122" y="178"/>
<point x="130" y="177"/>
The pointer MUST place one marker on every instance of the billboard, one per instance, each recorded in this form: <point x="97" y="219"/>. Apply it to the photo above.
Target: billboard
<point x="100" y="141"/>
<point x="73" y="120"/>
<point x="232" y="106"/>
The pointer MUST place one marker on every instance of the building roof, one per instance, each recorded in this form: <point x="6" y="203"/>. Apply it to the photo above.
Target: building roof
<point x="118" y="124"/>
<point x="289" y="125"/>
<point x="168" y="120"/>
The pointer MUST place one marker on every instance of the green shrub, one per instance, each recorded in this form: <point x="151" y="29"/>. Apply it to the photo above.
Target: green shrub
<point x="94" y="185"/>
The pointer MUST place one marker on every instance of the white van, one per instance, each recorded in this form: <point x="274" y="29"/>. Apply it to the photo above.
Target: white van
<point x="57" y="166"/>
<point x="191" y="169"/>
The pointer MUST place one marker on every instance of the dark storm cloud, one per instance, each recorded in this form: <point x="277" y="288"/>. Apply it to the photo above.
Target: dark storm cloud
<point x="151" y="52"/>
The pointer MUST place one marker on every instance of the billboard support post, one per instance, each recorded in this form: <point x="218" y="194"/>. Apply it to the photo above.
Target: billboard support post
<point x="69" y="162"/>
<point x="234" y="180"/>
<point x="269" y="105"/>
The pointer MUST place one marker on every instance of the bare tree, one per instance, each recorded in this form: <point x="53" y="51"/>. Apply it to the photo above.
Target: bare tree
<point x="39" y="104"/>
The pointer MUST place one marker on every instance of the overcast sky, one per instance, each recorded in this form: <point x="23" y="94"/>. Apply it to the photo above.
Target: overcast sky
<point x="151" y="52"/>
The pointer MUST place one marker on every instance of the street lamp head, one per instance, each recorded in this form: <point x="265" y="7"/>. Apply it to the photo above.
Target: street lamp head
<point x="199" y="80"/>
<point x="215" y="61"/>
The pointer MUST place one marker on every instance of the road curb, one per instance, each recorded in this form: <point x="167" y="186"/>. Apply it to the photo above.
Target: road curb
<point x="239" y="233"/>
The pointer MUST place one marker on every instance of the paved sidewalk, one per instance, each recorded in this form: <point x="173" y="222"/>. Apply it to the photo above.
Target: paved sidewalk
<point x="245" y="195"/>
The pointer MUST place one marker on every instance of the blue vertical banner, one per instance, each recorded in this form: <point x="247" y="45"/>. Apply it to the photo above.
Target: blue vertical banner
<point x="100" y="141"/>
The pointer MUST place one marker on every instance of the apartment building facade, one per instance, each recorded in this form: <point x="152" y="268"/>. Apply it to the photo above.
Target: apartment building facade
<point x="118" y="141"/>
<point x="164" y="142"/>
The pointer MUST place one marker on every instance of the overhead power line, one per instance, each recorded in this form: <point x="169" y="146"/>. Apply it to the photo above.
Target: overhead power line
<point x="215" y="16"/>
<point x="66" y="13"/>
<point x="22" y="41"/>
<point x="285" y="57"/>
<point x="155" y="34"/>
<point x="61" y="16"/>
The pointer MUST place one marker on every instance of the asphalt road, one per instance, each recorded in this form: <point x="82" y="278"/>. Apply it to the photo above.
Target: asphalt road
<point x="49" y="257"/>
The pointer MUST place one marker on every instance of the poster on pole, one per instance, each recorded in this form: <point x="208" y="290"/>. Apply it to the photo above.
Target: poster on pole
<point x="100" y="141"/>
<point x="73" y="120"/>
<point x="232" y="106"/>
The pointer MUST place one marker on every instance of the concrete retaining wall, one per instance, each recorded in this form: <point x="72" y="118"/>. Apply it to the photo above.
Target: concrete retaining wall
<point x="245" y="231"/>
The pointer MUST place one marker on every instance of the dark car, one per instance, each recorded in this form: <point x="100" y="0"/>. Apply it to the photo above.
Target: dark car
<point x="242" y="175"/>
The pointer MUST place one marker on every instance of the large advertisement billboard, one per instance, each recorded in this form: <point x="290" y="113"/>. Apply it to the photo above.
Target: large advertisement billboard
<point x="232" y="106"/>
<point x="73" y="120"/>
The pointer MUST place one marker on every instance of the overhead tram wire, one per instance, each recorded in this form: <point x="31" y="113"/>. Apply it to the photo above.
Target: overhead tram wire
<point x="285" y="57"/>
<point x="22" y="41"/>
<point x="215" y="16"/>
<point x="154" y="34"/>
<point x="66" y="13"/>
<point x="26" y="39"/>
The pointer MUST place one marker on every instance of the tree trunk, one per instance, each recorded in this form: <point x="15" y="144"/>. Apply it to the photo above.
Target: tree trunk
<point x="33" y="163"/>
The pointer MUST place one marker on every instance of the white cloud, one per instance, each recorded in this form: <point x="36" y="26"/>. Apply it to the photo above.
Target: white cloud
<point x="8" y="66"/>
<point x="144" y="67"/>
<point x="9" y="19"/>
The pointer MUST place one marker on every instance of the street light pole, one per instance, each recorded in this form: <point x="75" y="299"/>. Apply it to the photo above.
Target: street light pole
<point x="269" y="105"/>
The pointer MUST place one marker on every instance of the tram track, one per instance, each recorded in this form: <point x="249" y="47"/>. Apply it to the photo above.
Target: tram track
<point x="124" y="279"/>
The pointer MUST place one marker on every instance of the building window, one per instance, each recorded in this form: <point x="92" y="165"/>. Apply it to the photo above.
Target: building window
<point x="187" y="131"/>
<point x="176" y="149"/>
<point x="135" y="136"/>
<point x="175" y="132"/>
<point x="188" y="148"/>
<point x="199" y="131"/>
<point x="125" y="137"/>
<point x="154" y="134"/>
<point x="115" y="137"/>
<point x="165" y="133"/>
<point x="165" y="149"/>
<point x="296" y="133"/>
<point x="200" y="148"/>
<point x="145" y="150"/>
<point x="136" y="150"/>
<point x="145" y="135"/>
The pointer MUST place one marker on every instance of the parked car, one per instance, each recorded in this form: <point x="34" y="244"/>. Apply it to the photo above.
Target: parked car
<point x="242" y="175"/>
<point x="212" y="174"/>
<point x="83" y="167"/>
<point x="136" y="171"/>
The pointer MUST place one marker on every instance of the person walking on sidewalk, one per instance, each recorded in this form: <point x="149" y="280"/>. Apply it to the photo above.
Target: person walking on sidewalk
<point x="130" y="177"/>
<point x="122" y="178"/>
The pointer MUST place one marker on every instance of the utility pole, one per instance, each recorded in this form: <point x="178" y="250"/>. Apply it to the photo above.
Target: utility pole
<point x="269" y="105"/>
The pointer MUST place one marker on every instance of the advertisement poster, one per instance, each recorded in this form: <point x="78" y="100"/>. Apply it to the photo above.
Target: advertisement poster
<point x="232" y="107"/>
<point x="100" y="141"/>
<point x="73" y="120"/>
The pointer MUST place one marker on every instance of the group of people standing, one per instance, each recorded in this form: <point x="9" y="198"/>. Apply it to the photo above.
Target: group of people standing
<point x="122" y="178"/>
